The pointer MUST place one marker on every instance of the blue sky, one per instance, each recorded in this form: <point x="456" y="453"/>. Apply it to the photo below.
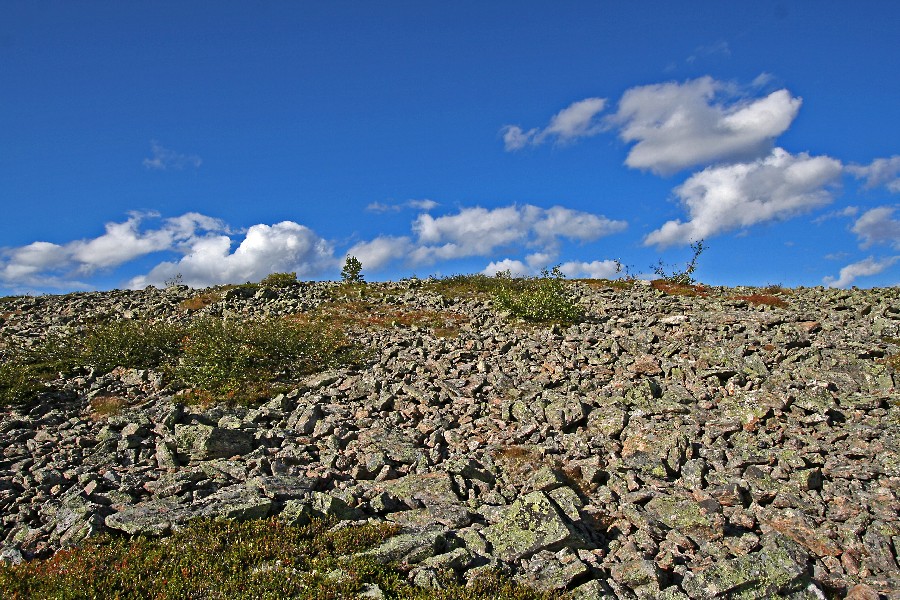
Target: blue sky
<point x="226" y="140"/>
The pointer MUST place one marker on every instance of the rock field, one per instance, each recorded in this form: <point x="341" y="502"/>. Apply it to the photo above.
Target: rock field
<point x="669" y="446"/>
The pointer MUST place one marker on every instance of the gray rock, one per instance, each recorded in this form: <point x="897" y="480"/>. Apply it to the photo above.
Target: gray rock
<point x="409" y="548"/>
<point x="530" y="524"/>
<point x="204" y="442"/>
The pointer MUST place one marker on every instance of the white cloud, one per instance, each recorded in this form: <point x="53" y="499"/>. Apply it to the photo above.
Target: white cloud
<point x="877" y="226"/>
<point x="380" y="207"/>
<point x="515" y="138"/>
<point x="725" y="198"/>
<point x="540" y="260"/>
<point x="863" y="268"/>
<point x="516" y="268"/>
<point x="577" y="120"/>
<point x="46" y="264"/>
<point x="265" y="249"/>
<point x="479" y="232"/>
<point x="699" y="122"/>
<point x="881" y="171"/>
<point x="23" y="264"/>
<point x="165" y="158"/>
<point x="377" y="253"/>
<point x="847" y="211"/>
<point x="598" y="269"/>
<point x="204" y="242"/>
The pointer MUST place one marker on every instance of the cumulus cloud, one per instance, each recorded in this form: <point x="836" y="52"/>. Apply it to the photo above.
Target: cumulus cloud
<point x="847" y="211"/>
<point x="598" y="269"/>
<point x="165" y="158"/>
<point x="204" y="242"/>
<point x="577" y="120"/>
<point x="379" y="207"/>
<point x="479" y="232"/>
<point x="881" y="171"/>
<point x="47" y="264"/>
<point x="725" y="198"/>
<point x="877" y="226"/>
<point x="516" y="268"/>
<point x="863" y="268"/>
<point x="380" y="251"/>
<point x="205" y="251"/>
<point x="265" y="249"/>
<point x="699" y="122"/>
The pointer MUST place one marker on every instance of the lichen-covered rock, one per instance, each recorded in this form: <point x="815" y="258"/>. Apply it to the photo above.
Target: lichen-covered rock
<point x="409" y="548"/>
<point x="205" y="442"/>
<point x="776" y="570"/>
<point x="530" y="524"/>
<point x="689" y="517"/>
<point x="238" y="502"/>
<point x="155" y="517"/>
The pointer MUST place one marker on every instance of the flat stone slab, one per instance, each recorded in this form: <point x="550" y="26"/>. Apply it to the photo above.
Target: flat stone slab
<point x="530" y="524"/>
<point x="155" y="517"/>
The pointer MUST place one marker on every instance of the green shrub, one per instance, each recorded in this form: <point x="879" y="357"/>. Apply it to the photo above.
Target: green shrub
<point x="543" y="299"/>
<point x="224" y="359"/>
<point x="682" y="276"/>
<point x="279" y="280"/>
<point x="234" y="359"/>
<point x="19" y="382"/>
<point x="130" y="344"/>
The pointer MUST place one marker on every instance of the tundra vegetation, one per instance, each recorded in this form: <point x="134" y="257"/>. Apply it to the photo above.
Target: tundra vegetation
<point x="209" y="357"/>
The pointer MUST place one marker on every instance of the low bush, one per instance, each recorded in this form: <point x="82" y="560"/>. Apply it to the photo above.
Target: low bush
<point x="684" y="276"/>
<point x="226" y="559"/>
<point x="19" y="382"/>
<point x="370" y="313"/>
<point x="134" y="344"/>
<point x="243" y="359"/>
<point x="543" y="299"/>
<point x="222" y="360"/>
<point x="671" y="288"/>
<point x="200" y="301"/>
<point x="279" y="280"/>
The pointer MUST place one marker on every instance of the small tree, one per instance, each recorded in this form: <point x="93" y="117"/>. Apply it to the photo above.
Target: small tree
<point x="685" y="276"/>
<point x="352" y="271"/>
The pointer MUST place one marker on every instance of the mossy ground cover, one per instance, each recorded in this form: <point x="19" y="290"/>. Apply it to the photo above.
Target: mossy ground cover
<point x="464" y="286"/>
<point x="369" y="312"/>
<point x="227" y="559"/>
<point x="223" y="360"/>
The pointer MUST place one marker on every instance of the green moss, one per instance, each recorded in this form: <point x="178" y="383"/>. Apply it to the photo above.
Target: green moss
<point x="225" y="559"/>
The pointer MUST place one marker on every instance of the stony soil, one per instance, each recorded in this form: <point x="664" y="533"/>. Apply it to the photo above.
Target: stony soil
<point x="667" y="447"/>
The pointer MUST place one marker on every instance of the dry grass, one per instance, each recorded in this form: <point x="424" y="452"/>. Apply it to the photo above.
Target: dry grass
<point x="464" y="286"/>
<point x="200" y="301"/>
<point x="893" y="362"/>
<point x="670" y="288"/>
<point x="366" y="313"/>
<point x="103" y="407"/>
<point x="616" y="284"/>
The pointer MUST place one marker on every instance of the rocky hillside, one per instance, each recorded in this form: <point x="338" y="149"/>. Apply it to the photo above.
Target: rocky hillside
<point x="676" y="443"/>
